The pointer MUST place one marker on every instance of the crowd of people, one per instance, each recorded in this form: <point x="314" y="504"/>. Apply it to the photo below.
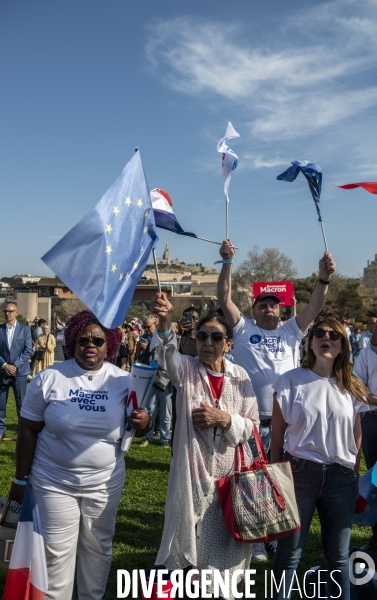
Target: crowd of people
<point x="219" y="376"/>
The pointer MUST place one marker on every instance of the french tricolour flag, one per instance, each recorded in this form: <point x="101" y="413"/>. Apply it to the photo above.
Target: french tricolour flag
<point x="27" y="574"/>
<point x="366" y="507"/>
<point x="163" y="212"/>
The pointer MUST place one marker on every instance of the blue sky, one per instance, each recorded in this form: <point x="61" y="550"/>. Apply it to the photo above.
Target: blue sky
<point x="84" y="81"/>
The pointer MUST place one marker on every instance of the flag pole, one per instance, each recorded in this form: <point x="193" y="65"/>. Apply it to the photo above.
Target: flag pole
<point x="156" y="269"/>
<point x="212" y="242"/>
<point x="324" y="238"/>
<point x="227" y="218"/>
<point x="154" y="255"/>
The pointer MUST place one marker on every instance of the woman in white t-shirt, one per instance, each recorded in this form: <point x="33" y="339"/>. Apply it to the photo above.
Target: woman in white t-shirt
<point x="72" y="422"/>
<point x="316" y="424"/>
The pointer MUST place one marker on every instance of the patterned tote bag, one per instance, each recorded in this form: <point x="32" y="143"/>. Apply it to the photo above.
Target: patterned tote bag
<point x="258" y="503"/>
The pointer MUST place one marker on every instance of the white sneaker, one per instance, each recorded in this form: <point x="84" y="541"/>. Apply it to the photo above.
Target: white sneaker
<point x="259" y="552"/>
<point x="271" y="546"/>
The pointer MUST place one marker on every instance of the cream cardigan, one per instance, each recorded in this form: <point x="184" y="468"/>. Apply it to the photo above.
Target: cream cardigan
<point x="198" y="458"/>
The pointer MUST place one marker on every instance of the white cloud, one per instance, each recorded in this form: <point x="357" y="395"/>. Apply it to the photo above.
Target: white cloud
<point x="288" y="115"/>
<point x="306" y="78"/>
<point x="258" y="162"/>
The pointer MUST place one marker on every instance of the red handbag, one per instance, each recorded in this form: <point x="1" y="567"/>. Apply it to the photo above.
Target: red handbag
<point x="258" y="503"/>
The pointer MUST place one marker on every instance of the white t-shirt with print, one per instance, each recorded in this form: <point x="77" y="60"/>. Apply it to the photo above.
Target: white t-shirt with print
<point x="84" y="422"/>
<point x="366" y="370"/>
<point x="320" y="417"/>
<point x="265" y="354"/>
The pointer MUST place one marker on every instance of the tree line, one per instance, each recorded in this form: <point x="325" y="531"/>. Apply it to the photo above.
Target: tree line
<point x="347" y="296"/>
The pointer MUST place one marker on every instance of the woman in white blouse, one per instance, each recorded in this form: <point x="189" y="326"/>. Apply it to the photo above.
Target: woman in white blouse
<point x="216" y="410"/>
<point x="316" y="424"/>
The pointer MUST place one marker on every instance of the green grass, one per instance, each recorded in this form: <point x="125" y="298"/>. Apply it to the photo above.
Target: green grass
<point x="141" y="512"/>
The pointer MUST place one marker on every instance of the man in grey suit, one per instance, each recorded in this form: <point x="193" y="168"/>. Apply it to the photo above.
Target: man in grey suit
<point x="15" y="351"/>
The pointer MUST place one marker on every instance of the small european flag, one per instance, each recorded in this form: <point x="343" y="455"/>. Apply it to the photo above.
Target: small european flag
<point x="313" y="174"/>
<point x="104" y="256"/>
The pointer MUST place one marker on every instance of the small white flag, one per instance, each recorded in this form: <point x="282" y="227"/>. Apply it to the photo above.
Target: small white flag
<point x="230" y="160"/>
<point x="141" y="381"/>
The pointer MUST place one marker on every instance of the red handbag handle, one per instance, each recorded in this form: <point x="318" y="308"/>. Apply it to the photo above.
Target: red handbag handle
<point x="278" y="495"/>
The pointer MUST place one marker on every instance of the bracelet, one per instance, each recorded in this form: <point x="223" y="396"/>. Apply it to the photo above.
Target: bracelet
<point x="20" y="481"/>
<point x="164" y="334"/>
<point x="323" y="282"/>
<point x="178" y="336"/>
<point x="225" y="262"/>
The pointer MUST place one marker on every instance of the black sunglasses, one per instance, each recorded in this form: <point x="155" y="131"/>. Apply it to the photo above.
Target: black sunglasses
<point x="97" y="341"/>
<point x="333" y="335"/>
<point x="216" y="336"/>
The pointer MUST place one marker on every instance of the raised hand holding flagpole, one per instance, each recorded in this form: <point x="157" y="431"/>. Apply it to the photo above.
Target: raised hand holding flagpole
<point x="313" y="174"/>
<point x="230" y="161"/>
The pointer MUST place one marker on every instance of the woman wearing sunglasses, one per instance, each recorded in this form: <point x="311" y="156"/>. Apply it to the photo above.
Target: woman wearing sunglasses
<point x="316" y="424"/>
<point x="216" y="410"/>
<point x="72" y="422"/>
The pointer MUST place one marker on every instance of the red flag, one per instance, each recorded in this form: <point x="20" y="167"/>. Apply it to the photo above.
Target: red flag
<point x="369" y="186"/>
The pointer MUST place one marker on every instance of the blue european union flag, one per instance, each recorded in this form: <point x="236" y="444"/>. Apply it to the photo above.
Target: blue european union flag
<point x="313" y="174"/>
<point x="103" y="257"/>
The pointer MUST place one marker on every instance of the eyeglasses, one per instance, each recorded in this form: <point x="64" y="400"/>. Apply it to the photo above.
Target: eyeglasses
<point x="9" y="311"/>
<point x="97" y="341"/>
<point x="216" y="336"/>
<point x="333" y="335"/>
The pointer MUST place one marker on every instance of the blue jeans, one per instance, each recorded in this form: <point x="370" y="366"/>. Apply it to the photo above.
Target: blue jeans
<point x="265" y="434"/>
<point x="19" y="391"/>
<point x="159" y="404"/>
<point x="333" y="491"/>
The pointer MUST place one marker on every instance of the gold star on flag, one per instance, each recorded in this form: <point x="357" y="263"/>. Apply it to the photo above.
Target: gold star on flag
<point x="140" y="202"/>
<point x="115" y="210"/>
<point x="146" y="214"/>
<point x="142" y="249"/>
<point x="127" y="275"/>
<point x="145" y="230"/>
<point x="114" y="268"/>
<point x="120" y="277"/>
<point x="128" y="201"/>
<point x="136" y="265"/>
<point x="108" y="229"/>
<point x="108" y="249"/>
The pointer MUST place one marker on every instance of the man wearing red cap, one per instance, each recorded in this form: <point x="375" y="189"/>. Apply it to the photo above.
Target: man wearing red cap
<point x="267" y="347"/>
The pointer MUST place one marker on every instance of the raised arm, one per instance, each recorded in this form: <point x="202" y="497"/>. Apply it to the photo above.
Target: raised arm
<point x="224" y="285"/>
<point x="317" y="300"/>
<point x="161" y="307"/>
<point x="165" y="340"/>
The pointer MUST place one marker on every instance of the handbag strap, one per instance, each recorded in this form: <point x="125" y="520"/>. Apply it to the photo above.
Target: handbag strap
<point x="240" y="455"/>
<point x="239" y="451"/>
<point x="259" y="444"/>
